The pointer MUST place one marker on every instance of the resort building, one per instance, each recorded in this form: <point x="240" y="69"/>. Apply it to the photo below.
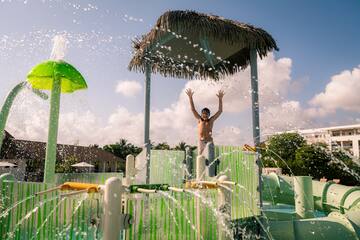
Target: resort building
<point x="28" y="157"/>
<point x="346" y="137"/>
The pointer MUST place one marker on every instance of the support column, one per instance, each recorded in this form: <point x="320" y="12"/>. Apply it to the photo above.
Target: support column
<point x="200" y="168"/>
<point x="304" y="201"/>
<point x="255" y="116"/>
<point x="224" y="207"/>
<point x="147" y="120"/>
<point x="147" y="143"/>
<point x="50" y="158"/>
<point x="355" y="144"/>
<point x="188" y="164"/>
<point x="129" y="170"/>
<point x="200" y="175"/>
<point x="113" y="217"/>
<point x="129" y="179"/>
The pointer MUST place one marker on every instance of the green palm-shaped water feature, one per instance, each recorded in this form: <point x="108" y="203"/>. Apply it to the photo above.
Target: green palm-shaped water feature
<point x="58" y="77"/>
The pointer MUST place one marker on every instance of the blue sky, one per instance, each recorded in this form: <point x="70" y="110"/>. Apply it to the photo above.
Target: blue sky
<point x="319" y="37"/>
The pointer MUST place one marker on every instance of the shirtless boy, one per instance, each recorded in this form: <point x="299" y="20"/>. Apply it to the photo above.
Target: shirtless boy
<point x="205" y="122"/>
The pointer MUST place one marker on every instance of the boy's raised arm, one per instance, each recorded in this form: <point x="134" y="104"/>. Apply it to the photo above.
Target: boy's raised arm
<point x="220" y="95"/>
<point x="190" y="93"/>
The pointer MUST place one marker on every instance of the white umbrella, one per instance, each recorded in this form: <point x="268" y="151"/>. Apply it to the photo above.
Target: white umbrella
<point x="7" y="164"/>
<point x="83" y="164"/>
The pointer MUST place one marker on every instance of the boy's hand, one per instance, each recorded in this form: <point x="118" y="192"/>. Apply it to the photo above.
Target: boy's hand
<point x="220" y="94"/>
<point x="189" y="92"/>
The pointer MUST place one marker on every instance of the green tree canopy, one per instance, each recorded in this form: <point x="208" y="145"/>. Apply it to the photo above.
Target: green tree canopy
<point x="280" y="151"/>
<point x="65" y="165"/>
<point x="122" y="148"/>
<point x="162" y="146"/>
<point x="312" y="160"/>
<point x="290" y="152"/>
<point x="344" y="168"/>
<point x="181" y="146"/>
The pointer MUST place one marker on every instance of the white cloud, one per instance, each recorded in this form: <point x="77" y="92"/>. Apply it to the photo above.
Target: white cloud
<point x="176" y="122"/>
<point x="128" y="88"/>
<point x="288" y="115"/>
<point x="342" y="92"/>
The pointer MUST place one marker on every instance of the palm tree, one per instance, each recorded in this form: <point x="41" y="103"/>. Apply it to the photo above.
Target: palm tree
<point x="162" y="146"/>
<point x="122" y="148"/>
<point x="181" y="146"/>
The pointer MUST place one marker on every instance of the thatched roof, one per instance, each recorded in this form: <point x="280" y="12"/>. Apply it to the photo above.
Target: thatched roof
<point x="188" y="44"/>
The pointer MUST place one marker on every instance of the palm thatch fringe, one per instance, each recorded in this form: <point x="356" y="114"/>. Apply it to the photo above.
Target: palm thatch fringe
<point x="212" y="27"/>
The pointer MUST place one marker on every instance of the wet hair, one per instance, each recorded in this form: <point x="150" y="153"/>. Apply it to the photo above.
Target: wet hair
<point x="206" y="110"/>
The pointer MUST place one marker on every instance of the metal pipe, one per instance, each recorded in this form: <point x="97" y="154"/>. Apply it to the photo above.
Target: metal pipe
<point x="175" y="189"/>
<point x="227" y="183"/>
<point x="213" y="183"/>
<point x="143" y="190"/>
<point x="255" y="116"/>
<point x="48" y="190"/>
<point x="147" y="143"/>
<point x="73" y="193"/>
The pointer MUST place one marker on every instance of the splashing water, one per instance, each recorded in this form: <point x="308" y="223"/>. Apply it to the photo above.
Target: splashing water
<point x="29" y="214"/>
<point x="47" y="217"/>
<point x="221" y="217"/>
<point x="58" y="52"/>
<point x="186" y="215"/>
<point x="6" y="211"/>
<point x="80" y="200"/>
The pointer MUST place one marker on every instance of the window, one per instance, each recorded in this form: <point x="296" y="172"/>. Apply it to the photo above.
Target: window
<point x="348" y="133"/>
<point x="335" y="133"/>
<point x="335" y="145"/>
<point x="348" y="146"/>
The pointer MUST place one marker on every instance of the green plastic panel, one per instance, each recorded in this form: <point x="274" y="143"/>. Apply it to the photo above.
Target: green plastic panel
<point x="26" y="216"/>
<point x="173" y="215"/>
<point x="98" y="178"/>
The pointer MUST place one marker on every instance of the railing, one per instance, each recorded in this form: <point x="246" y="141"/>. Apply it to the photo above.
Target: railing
<point x="98" y="178"/>
<point x="25" y="215"/>
<point x="160" y="218"/>
<point x="241" y="168"/>
<point x="164" y="215"/>
<point x="174" y="216"/>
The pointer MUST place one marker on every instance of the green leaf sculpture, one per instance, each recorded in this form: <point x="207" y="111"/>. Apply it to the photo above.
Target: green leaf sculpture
<point x="58" y="77"/>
